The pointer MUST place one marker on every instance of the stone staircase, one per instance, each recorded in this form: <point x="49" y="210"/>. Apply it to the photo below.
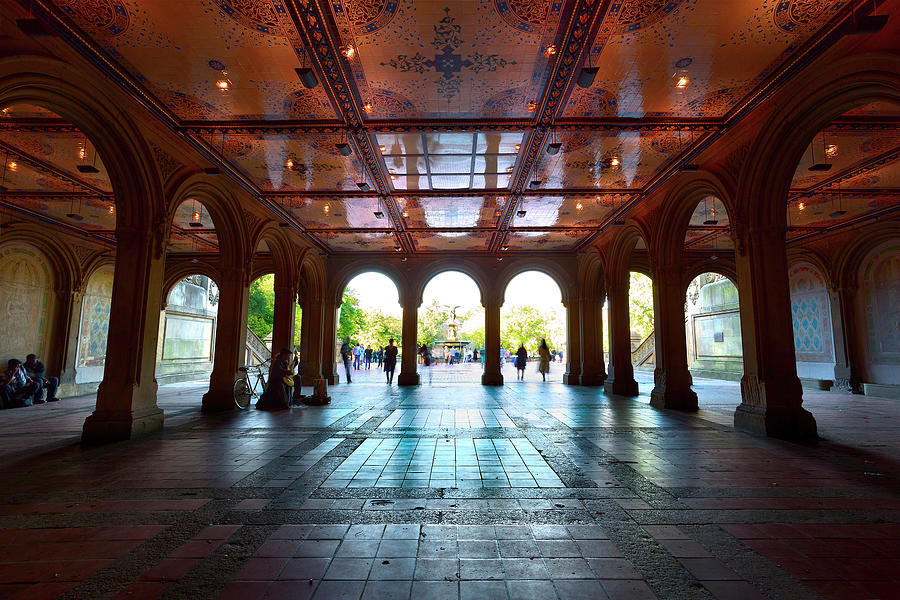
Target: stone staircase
<point x="645" y="350"/>
<point x="257" y="350"/>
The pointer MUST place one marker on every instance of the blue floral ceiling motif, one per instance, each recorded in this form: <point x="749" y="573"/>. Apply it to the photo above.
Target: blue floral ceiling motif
<point x="447" y="61"/>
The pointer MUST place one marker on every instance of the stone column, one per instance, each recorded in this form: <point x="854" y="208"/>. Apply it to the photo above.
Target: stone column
<point x="231" y="338"/>
<point x="492" y="372"/>
<point x="770" y="389"/>
<point x="593" y="369"/>
<point x="329" y="337"/>
<point x="70" y="304"/>
<point x="311" y="339"/>
<point x="621" y="374"/>
<point x="847" y="350"/>
<point x="671" y="377"/>
<point x="126" y="399"/>
<point x="408" y="374"/>
<point x="285" y="309"/>
<point x="572" y="376"/>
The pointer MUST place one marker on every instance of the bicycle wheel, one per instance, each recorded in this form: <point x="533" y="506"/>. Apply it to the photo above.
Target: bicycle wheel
<point x="242" y="393"/>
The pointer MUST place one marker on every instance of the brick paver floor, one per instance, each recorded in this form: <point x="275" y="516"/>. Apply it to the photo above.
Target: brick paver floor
<point x="528" y="490"/>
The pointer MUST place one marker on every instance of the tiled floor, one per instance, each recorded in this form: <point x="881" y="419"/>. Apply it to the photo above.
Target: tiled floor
<point x="451" y="491"/>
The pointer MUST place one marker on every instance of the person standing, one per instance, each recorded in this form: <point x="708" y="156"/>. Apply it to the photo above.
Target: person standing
<point x="521" y="361"/>
<point x="368" y="356"/>
<point x="36" y="371"/>
<point x="380" y="356"/>
<point x="357" y="356"/>
<point x="346" y="351"/>
<point x="544" y="354"/>
<point x="390" y="360"/>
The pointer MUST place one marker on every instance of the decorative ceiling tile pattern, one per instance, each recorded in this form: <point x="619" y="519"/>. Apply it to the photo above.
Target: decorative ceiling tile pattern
<point x="723" y="48"/>
<point x="291" y="163"/>
<point x="340" y="241"/>
<point x="338" y="213"/>
<point x="443" y="59"/>
<point x="566" y="211"/>
<point x="623" y="160"/>
<point x="92" y="213"/>
<point x="66" y="151"/>
<point x="545" y="240"/>
<point x="180" y="50"/>
<point x="193" y="229"/>
<point x="843" y="150"/>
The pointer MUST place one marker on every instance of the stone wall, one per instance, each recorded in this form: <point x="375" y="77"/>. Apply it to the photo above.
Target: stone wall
<point x="714" y="331"/>
<point x="25" y="283"/>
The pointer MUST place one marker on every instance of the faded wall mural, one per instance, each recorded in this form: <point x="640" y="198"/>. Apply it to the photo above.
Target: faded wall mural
<point x="24" y="302"/>
<point x="880" y="291"/>
<point x="95" y="319"/>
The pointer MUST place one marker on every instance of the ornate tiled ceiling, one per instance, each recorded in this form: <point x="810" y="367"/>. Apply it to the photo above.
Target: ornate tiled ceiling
<point x="447" y="110"/>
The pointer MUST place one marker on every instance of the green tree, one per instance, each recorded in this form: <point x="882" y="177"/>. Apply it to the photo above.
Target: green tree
<point x="472" y="328"/>
<point x="431" y="320"/>
<point x="525" y="324"/>
<point x="353" y="318"/>
<point x="640" y="304"/>
<point x="261" y="313"/>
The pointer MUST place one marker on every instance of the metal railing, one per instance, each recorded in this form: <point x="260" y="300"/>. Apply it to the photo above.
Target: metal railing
<point x="645" y="349"/>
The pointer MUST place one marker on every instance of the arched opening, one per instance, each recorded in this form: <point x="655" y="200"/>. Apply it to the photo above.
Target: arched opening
<point x="450" y="324"/>
<point x="94" y="328"/>
<point x="879" y="305"/>
<point x="26" y="281"/>
<point x="189" y="317"/>
<point x="188" y="331"/>
<point x="712" y="317"/>
<point x="845" y="182"/>
<point x="54" y="191"/>
<point x="533" y="311"/>
<point x="369" y="316"/>
<point x="640" y="320"/>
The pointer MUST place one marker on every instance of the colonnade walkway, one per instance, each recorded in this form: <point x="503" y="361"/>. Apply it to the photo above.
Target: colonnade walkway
<point x="527" y="490"/>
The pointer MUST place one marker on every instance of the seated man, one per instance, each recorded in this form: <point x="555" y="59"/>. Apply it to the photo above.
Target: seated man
<point x="36" y="371"/>
<point x="18" y="389"/>
<point x="278" y="392"/>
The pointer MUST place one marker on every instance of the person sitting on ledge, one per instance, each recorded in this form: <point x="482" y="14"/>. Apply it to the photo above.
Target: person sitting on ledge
<point x="17" y="388"/>
<point x="36" y="371"/>
<point x="278" y="392"/>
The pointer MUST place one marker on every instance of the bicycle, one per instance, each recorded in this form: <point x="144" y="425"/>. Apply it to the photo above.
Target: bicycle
<point x="244" y="388"/>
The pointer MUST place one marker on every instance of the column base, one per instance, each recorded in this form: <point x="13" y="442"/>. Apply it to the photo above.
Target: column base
<point x="332" y="379"/>
<point x="308" y="379"/>
<point x="492" y="379"/>
<point x="783" y="423"/>
<point x="108" y="426"/>
<point x="621" y="388"/>
<point x="572" y="378"/>
<point x="674" y="399"/>
<point x="408" y="379"/>
<point x="593" y="379"/>
<point x="217" y="401"/>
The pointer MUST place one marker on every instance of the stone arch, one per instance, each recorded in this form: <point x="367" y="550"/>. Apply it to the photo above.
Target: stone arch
<point x="812" y="318"/>
<point x="879" y="309"/>
<point x="465" y="267"/>
<point x="127" y="156"/>
<point x="805" y="255"/>
<point x="679" y="205"/>
<point x="177" y="271"/>
<point x="830" y="91"/>
<point x="223" y="208"/>
<point x="846" y="265"/>
<point x="549" y="268"/>
<point x="312" y="278"/>
<point x="341" y="278"/>
<point x="725" y="268"/>
<point x="622" y="248"/>
<point x="67" y="271"/>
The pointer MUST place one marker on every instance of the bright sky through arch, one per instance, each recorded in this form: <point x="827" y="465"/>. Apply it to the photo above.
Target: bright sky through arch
<point x="531" y="288"/>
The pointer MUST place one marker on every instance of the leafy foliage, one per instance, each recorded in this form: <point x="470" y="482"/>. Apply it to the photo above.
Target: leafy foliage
<point x="526" y="324"/>
<point x="261" y="312"/>
<point x="373" y="328"/>
<point x="640" y="304"/>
